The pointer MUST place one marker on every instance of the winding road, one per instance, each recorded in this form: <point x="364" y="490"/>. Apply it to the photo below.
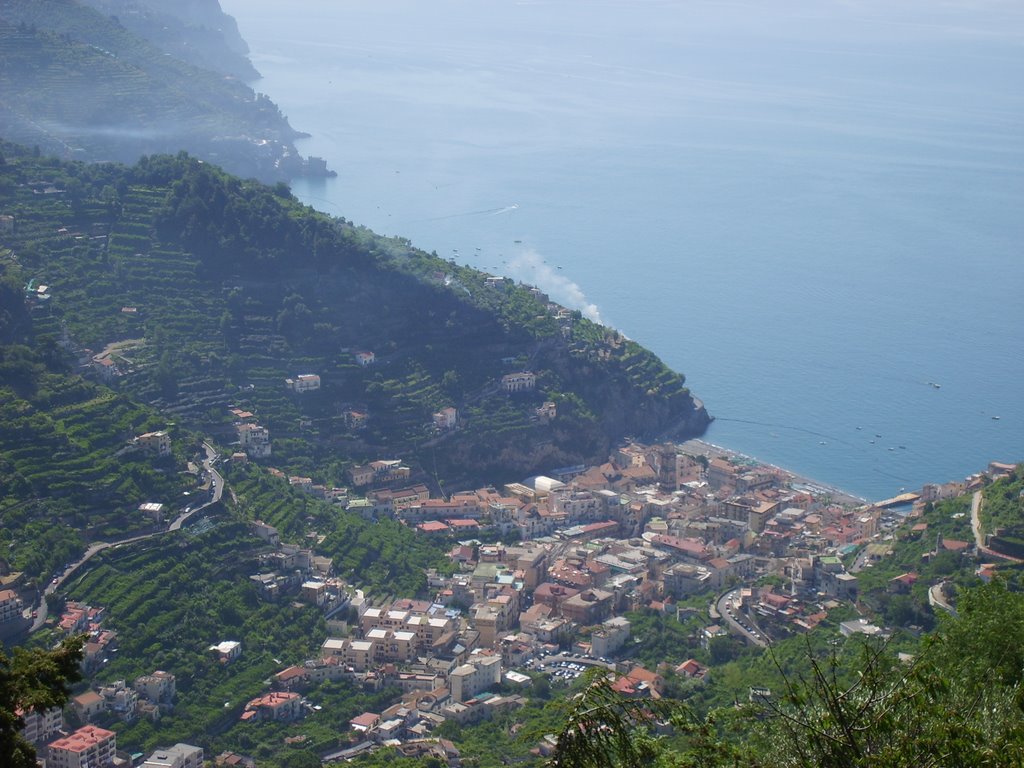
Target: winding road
<point x="725" y="611"/>
<point x="979" y="535"/>
<point x="218" y="490"/>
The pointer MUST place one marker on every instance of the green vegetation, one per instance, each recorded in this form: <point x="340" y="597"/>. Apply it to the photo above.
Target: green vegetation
<point x="214" y="290"/>
<point x="173" y="597"/>
<point x="77" y="82"/>
<point x="956" y="703"/>
<point x="33" y="680"/>
<point x="1002" y="514"/>
<point x="383" y="556"/>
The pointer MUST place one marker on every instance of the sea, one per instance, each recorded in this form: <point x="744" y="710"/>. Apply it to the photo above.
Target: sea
<point x="813" y="209"/>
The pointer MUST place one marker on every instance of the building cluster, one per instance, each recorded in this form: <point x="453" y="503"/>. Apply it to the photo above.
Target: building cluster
<point x="148" y="696"/>
<point x="253" y="439"/>
<point x="649" y="528"/>
<point x="92" y="746"/>
<point x="289" y="570"/>
<point x="79" y="618"/>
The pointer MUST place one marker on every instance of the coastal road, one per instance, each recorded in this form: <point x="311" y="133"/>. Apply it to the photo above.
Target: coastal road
<point x="936" y="598"/>
<point x="979" y="538"/>
<point x="727" y="613"/>
<point x="58" y="581"/>
<point x="218" y="488"/>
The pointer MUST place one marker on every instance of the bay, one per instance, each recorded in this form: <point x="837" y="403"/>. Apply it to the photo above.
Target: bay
<point x="814" y="210"/>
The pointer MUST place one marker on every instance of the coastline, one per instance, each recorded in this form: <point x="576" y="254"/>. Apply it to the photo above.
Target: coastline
<point x="701" y="447"/>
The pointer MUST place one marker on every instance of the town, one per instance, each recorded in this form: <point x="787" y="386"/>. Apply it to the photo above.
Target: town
<point x="542" y="574"/>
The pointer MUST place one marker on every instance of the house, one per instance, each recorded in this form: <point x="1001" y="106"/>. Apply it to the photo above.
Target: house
<point x="522" y="381"/>
<point x="364" y="358"/>
<point x="364" y="722"/>
<point x="304" y="382"/>
<point x="900" y="585"/>
<point x="356" y="419"/>
<point x="152" y="510"/>
<point x="10" y="605"/>
<point x="158" y="443"/>
<point x="254" y="440"/>
<point x="709" y="634"/>
<point x="446" y="419"/>
<point x="88" y="706"/>
<point x="178" y="756"/>
<point x="692" y="669"/>
<point x="88" y="747"/>
<point x="612" y="635"/>
<point x="279" y="706"/>
<point x="41" y="725"/>
<point x="646" y="681"/>
<point x="158" y="688"/>
<point x="118" y="697"/>
<point x="467" y="681"/>
<point x="226" y="651"/>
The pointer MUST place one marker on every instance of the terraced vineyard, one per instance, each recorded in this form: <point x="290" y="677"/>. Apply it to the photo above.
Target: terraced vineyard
<point x="208" y="292"/>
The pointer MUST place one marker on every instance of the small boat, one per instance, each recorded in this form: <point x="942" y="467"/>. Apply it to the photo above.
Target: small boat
<point x="892" y="449"/>
<point x="995" y="418"/>
<point x="517" y="241"/>
<point x="877" y="435"/>
<point x="872" y="442"/>
<point x="903" y="447"/>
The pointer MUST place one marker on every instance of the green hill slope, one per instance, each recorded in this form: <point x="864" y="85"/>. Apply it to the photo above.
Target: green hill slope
<point x="79" y="84"/>
<point x="233" y="287"/>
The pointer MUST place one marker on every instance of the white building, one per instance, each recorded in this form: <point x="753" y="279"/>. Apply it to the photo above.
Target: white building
<point x="522" y="381"/>
<point x="612" y="635"/>
<point x="40" y="726"/>
<point x="155" y="442"/>
<point x="467" y="681"/>
<point x="226" y="651"/>
<point x="10" y="605"/>
<point x="178" y="756"/>
<point x="304" y="382"/>
<point x="254" y="439"/>
<point x="158" y="687"/>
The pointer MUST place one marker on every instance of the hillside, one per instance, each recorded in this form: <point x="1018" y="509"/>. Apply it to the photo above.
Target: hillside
<point x="79" y="83"/>
<point x="197" y="31"/>
<point x="221" y="289"/>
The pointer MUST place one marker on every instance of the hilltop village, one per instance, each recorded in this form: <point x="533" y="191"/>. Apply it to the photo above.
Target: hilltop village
<point x="541" y="576"/>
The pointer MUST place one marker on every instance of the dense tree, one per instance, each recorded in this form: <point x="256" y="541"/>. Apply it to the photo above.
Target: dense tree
<point x="33" y="679"/>
<point x="958" y="701"/>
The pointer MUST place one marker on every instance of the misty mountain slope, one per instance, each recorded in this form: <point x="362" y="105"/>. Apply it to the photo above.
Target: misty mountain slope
<point x="79" y="84"/>
<point x="197" y="31"/>
<point x="234" y="287"/>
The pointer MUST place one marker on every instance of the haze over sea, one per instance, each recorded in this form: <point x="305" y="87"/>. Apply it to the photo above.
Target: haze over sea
<point x="814" y="210"/>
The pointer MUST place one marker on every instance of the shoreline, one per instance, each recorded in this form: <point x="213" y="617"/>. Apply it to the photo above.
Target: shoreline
<point x="703" y="447"/>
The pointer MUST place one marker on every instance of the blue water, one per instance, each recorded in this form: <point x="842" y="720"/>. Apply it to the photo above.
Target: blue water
<point x="812" y="209"/>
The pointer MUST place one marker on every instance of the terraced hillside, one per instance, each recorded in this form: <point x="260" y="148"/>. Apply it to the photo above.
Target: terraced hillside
<point x="207" y="292"/>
